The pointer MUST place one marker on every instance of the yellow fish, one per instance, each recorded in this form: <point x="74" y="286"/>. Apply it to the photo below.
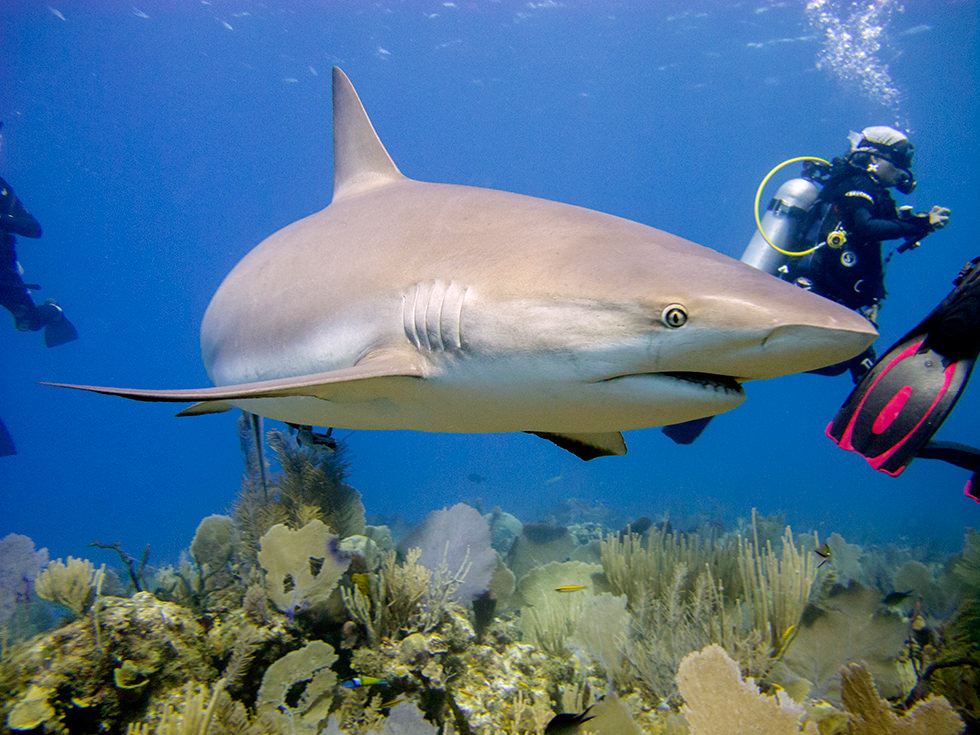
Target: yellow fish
<point x="570" y="588"/>
<point x="363" y="583"/>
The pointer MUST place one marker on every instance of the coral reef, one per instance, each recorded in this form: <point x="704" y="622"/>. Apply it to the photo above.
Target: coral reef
<point x="872" y="715"/>
<point x="20" y="565"/>
<point x="90" y="671"/>
<point x="310" y="487"/>
<point x="849" y="625"/>
<point x="291" y="615"/>
<point x="719" y="702"/>
<point x="72" y="584"/>
<point x="456" y="542"/>
<point x="301" y="567"/>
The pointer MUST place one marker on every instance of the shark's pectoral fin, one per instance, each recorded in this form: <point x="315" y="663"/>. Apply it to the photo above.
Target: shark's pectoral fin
<point x="325" y="385"/>
<point x="587" y="446"/>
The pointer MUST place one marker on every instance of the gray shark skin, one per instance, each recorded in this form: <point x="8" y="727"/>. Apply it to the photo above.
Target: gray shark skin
<point x="436" y="307"/>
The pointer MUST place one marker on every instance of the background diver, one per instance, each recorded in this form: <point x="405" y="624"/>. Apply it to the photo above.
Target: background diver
<point x="824" y="232"/>
<point x="15" y="295"/>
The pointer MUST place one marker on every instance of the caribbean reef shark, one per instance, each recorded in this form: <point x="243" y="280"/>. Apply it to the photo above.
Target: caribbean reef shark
<point x="436" y="307"/>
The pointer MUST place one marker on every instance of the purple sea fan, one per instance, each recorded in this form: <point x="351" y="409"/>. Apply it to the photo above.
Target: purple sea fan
<point x="460" y="538"/>
<point x="20" y="565"/>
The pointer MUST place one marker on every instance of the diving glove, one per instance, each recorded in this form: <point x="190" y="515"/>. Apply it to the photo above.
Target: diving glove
<point x="938" y="217"/>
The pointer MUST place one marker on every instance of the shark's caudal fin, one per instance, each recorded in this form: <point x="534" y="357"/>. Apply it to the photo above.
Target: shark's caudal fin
<point x="360" y="160"/>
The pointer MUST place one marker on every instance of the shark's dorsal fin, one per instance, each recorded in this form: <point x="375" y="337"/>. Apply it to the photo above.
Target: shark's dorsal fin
<point x="360" y="160"/>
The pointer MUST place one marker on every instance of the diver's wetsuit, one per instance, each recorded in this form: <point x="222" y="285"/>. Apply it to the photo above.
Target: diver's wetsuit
<point x="853" y="275"/>
<point x="14" y="295"/>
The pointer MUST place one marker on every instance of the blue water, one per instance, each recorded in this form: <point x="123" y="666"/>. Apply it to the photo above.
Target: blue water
<point x="157" y="144"/>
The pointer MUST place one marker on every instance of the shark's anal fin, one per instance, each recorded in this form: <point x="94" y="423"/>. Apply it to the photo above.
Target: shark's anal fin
<point x="203" y="408"/>
<point x="587" y="446"/>
<point x="386" y="364"/>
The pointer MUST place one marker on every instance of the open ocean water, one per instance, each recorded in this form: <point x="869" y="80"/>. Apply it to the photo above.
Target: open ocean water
<point x="159" y="142"/>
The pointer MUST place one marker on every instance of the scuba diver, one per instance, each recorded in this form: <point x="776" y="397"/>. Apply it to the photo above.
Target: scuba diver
<point x="893" y="413"/>
<point x="824" y="230"/>
<point x="14" y="293"/>
<point x="854" y="213"/>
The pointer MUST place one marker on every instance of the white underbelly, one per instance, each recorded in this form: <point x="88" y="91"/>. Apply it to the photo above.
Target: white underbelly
<point x="446" y="405"/>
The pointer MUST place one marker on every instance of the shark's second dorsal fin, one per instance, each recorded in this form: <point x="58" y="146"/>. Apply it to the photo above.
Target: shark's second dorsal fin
<point x="360" y="160"/>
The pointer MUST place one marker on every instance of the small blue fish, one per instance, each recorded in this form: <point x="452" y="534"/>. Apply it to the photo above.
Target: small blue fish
<point x="357" y="682"/>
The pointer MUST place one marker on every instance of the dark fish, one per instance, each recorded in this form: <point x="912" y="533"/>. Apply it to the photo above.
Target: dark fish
<point x="475" y="478"/>
<point x="567" y="722"/>
<point x="542" y="533"/>
<point x="823" y="551"/>
<point x="640" y="526"/>
<point x="895" y="598"/>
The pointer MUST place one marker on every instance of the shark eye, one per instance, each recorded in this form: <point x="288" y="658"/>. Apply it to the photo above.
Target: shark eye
<point x="674" y="316"/>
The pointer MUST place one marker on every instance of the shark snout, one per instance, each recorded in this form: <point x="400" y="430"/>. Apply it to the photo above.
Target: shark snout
<point x="797" y="348"/>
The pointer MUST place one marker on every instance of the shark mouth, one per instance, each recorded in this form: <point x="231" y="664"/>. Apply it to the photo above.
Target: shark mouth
<point x="721" y="383"/>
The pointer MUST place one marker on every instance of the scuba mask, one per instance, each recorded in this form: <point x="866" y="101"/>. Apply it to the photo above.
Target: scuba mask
<point x="906" y="183"/>
<point x="862" y="158"/>
<point x="889" y="144"/>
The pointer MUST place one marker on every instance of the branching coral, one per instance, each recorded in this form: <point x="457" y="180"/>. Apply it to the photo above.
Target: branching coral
<point x="642" y="567"/>
<point x="403" y="598"/>
<point x="310" y="487"/>
<point x="776" y="587"/>
<point x="667" y="628"/>
<point x="548" y="616"/>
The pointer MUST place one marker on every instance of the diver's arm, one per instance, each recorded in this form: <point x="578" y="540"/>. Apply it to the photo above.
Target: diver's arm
<point x="870" y="229"/>
<point x="14" y="217"/>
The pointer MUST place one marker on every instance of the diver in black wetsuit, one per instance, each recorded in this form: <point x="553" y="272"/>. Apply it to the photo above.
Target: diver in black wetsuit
<point x="857" y="212"/>
<point x="14" y="293"/>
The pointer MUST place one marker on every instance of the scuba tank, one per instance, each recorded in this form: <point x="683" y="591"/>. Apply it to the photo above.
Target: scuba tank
<point x="779" y="234"/>
<point x="783" y="222"/>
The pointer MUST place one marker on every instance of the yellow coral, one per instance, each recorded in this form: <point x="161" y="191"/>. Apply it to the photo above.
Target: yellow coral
<point x="719" y="702"/>
<point x="72" y="585"/>
<point x="871" y="715"/>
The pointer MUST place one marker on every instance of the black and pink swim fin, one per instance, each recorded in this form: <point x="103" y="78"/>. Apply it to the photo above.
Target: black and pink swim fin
<point x="894" y="411"/>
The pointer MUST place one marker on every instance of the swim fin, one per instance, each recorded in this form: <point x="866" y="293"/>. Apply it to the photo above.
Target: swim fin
<point x="7" y="448"/>
<point x="960" y="455"/>
<point x="59" y="332"/>
<point x="905" y="397"/>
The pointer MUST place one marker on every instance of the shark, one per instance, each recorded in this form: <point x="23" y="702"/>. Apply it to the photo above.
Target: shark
<point x="439" y="307"/>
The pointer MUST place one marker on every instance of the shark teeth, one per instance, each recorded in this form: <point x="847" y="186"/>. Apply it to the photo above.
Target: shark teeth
<point x="723" y="383"/>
